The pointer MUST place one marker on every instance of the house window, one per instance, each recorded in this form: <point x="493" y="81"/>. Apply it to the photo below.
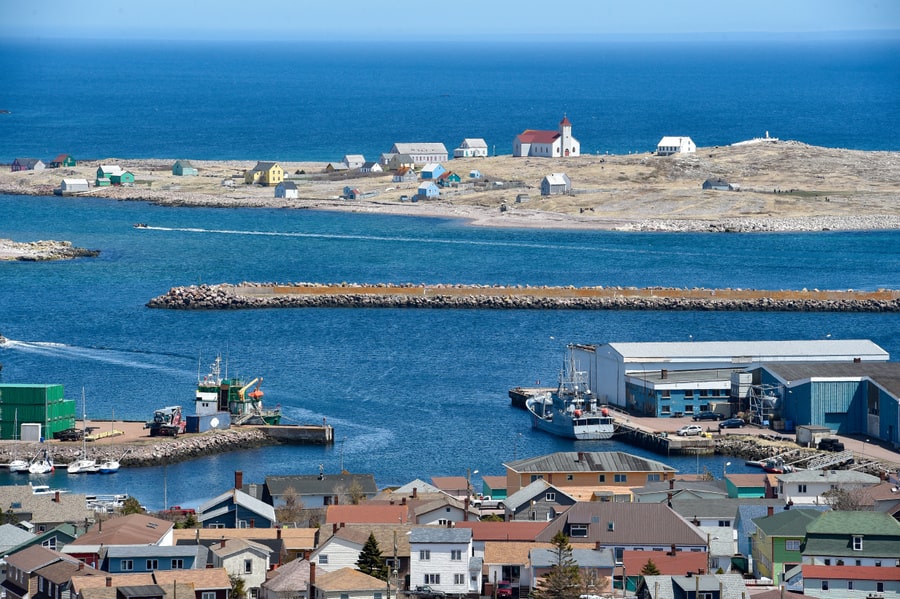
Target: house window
<point x="801" y="488"/>
<point x="459" y="579"/>
<point x="323" y="558"/>
<point x="550" y="497"/>
<point x="849" y="585"/>
<point x="248" y="566"/>
<point x="153" y="564"/>
<point x="443" y="522"/>
<point x="621" y="478"/>
<point x="665" y="410"/>
<point x="127" y="565"/>
<point x="376" y="596"/>
<point x="724" y="522"/>
<point x="688" y="408"/>
<point x="826" y="561"/>
<point x="705" y="595"/>
<point x="879" y="587"/>
<point x="425" y="554"/>
<point x="208" y="595"/>
<point x="792" y="545"/>
<point x="178" y="564"/>
<point x="456" y="555"/>
<point x="602" y="478"/>
<point x="653" y="478"/>
<point x="689" y="394"/>
<point x="878" y="563"/>
<point x="857" y="543"/>
<point x="578" y="530"/>
<point x="570" y="477"/>
<point x="824" y="585"/>
<point x="345" y="595"/>
<point x="667" y="394"/>
<point x="432" y="579"/>
<point x="50" y="543"/>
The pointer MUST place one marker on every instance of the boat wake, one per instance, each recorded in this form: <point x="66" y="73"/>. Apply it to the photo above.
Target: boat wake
<point x="118" y="357"/>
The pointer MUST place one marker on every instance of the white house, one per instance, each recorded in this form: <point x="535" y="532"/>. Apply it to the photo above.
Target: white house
<point x="246" y="559"/>
<point x="675" y="145"/>
<point x="555" y="183"/>
<point x="73" y="185"/>
<point x="342" y="549"/>
<point x="371" y="167"/>
<point x="808" y="487"/>
<point x="440" y="558"/>
<point x="346" y="583"/>
<point x="547" y="144"/>
<point x="471" y="148"/>
<point x="287" y="190"/>
<point x="354" y="160"/>
<point x="422" y="152"/>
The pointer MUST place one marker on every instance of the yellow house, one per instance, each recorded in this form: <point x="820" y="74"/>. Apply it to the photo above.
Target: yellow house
<point x="596" y="472"/>
<point x="264" y="173"/>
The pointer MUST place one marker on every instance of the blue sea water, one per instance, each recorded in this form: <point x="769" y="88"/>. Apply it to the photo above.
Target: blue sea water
<point x="412" y="394"/>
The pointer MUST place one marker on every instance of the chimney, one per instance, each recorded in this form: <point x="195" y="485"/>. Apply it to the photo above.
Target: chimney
<point x="306" y="555"/>
<point x="334" y="528"/>
<point x="222" y="544"/>
<point x="466" y="509"/>
<point x="669" y="499"/>
<point x="312" y="573"/>
<point x="671" y="483"/>
<point x="403" y="501"/>
<point x="81" y="565"/>
<point x="238" y="479"/>
<point x="56" y="497"/>
<point x="663" y="374"/>
<point x="278" y="533"/>
<point x="672" y="552"/>
<point x="109" y="581"/>
<point x="770" y="510"/>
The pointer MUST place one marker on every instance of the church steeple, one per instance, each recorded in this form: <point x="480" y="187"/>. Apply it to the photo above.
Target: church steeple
<point x="565" y="131"/>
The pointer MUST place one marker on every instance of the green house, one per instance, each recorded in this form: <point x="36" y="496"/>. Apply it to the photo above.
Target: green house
<point x="183" y="168"/>
<point x="777" y="541"/>
<point x="62" y="160"/>
<point x="123" y="178"/>
<point x="37" y="404"/>
<point x="746" y="485"/>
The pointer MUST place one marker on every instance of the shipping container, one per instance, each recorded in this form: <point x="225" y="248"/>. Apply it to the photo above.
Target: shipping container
<point x="38" y="404"/>
<point x="208" y="422"/>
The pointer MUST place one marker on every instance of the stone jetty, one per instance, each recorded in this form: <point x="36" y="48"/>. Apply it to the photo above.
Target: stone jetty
<point x="346" y="295"/>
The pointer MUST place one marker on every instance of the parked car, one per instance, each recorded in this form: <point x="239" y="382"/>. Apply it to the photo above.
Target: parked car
<point x="504" y="589"/>
<point x="732" y="423"/>
<point x="690" y="430"/>
<point x="830" y="444"/>
<point x="69" y="434"/>
<point x="708" y="416"/>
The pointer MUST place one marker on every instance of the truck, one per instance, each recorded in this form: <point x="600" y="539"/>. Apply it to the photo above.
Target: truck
<point x="167" y="422"/>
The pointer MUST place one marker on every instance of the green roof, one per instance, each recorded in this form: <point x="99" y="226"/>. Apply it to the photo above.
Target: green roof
<point x="855" y="523"/>
<point x="789" y="523"/>
<point x="832" y="534"/>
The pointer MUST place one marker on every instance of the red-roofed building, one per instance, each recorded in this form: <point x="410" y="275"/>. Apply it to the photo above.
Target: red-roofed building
<point x="850" y="581"/>
<point x="547" y="144"/>
<point x="667" y="562"/>
<point x="367" y="514"/>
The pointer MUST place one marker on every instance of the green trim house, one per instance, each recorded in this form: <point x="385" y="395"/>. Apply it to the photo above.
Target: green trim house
<point x="777" y="541"/>
<point x="63" y="160"/>
<point x="183" y="168"/>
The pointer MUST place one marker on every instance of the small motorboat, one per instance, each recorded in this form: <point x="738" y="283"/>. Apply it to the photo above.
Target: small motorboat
<point x="140" y="225"/>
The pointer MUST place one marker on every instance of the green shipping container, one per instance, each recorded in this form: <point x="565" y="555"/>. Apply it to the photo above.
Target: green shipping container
<point x="40" y="404"/>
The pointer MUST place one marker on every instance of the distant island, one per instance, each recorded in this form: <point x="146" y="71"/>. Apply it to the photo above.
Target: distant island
<point x="36" y="251"/>
<point x="768" y="185"/>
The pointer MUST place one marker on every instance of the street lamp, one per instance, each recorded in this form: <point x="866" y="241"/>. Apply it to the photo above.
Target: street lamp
<point x="469" y="482"/>
<point x="724" y="469"/>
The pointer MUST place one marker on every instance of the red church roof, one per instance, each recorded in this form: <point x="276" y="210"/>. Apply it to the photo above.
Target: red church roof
<point x="565" y="122"/>
<point x="533" y="136"/>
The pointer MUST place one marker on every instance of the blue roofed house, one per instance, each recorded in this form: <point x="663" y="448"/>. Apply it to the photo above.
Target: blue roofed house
<point x="148" y="558"/>
<point x="236" y="509"/>
<point x="443" y="559"/>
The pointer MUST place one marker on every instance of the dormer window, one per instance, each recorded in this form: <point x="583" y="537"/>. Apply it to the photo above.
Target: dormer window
<point x="857" y="543"/>
<point x="578" y="530"/>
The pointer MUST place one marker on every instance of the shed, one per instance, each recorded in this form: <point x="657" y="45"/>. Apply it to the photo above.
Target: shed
<point x="808" y="435"/>
<point x="371" y="167"/>
<point x="73" y="185"/>
<point x="287" y="190"/>
<point x="332" y="167"/>
<point x="718" y="184"/>
<point x="555" y="183"/>
<point x="428" y="190"/>
<point x="475" y="174"/>
<point x="183" y="168"/>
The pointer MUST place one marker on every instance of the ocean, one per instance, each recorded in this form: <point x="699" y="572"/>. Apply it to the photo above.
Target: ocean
<point x="411" y="393"/>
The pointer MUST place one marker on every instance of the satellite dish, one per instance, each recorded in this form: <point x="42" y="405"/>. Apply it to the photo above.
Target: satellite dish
<point x="214" y="422"/>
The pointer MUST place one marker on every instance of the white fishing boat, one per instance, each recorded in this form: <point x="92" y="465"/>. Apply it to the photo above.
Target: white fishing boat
<point x="572" y="410"/>
<point x="17" y="464"/>
<point x="83" y="465"/>
<point x="41" y="465"/>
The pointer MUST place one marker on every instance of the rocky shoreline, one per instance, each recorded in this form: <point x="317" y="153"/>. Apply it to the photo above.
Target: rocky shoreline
<point x="260" y="296"/>
<point x="37" y="251"/>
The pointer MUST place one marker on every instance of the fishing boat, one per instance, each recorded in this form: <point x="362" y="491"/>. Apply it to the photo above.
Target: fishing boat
<point x="572" y="410"/>
<point x="776" y="466"/>
<point x="232" y="395"/>
<point x="83" y="465"/>
<point x="42" y="465"/>
<point x="17" y="464"/>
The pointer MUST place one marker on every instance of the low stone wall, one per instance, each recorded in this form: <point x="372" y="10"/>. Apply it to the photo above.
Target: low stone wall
<point x="307" y="295"/>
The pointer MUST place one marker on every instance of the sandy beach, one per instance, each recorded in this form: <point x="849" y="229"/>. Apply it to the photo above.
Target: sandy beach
<point x="784" y="186"/>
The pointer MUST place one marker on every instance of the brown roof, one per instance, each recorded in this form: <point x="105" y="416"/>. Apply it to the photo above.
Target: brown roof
<point x="59" y="572"/>
<point x="133" y="529"/>
<point x="747" y="480"/>
<point x="533" y="136"/>
<point x="289" y="577"/>
<point x="449" y="483"/>
<point x="294" y="539"/>
<point x="80" y="583"/>
<point x="503" y="531"/>
<point x="510" y="553"/>
<point x="666" y="563"/>
<point x="347" y="579"/>
<point x="203" y="579"/>
<point x="494" y="482"/>
<point x="233" y="546"/>
<point x="884" y="491"/>
<point x="384" y="534"/>
<point x="365" y="513"/>
<point x="35" y="557"/>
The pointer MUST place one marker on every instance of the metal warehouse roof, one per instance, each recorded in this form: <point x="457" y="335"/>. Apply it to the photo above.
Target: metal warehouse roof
<point x="886" y="374"/>
<point x="591" y="461"/>
<point x="819" y="349"/>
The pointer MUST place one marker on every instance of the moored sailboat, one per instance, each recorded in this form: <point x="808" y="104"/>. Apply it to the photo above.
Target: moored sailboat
<point x="17" y="464"/>
<point x="83" y="465"/>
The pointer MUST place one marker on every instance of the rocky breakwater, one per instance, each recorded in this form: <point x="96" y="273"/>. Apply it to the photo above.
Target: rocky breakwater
<point x="159" y="450"/>
<point x="34" y="251"/>
<point x="346" y="295"/>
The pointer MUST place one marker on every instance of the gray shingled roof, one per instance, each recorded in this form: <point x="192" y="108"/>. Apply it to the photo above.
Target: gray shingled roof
<point x="585" y="558"/>
<point x="328" y="484"/>
<point x="439" y="534"/>
<point x="591" y="461"/>
<point x="727" y="507"/>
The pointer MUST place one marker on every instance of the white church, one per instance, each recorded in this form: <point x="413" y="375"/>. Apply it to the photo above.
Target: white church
<point x="547" y="144"/>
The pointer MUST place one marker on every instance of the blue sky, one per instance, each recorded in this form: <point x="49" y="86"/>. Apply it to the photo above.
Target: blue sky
<point x="458" y="19"/>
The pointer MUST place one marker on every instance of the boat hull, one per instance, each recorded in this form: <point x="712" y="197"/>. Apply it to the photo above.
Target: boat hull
<point x="584" y="428"/>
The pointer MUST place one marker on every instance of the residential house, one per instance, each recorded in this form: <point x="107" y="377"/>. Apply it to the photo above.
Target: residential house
<point x="548" y="144"/>
<point x="385" y="159"/>
<point x="319" y="490"/>
<point x="510" y="561"/>
<point x="421" y="152"/>
<point x="427" y="191"/>
<point x="183" y="168"/>
<point x="410" y="490"/>
<point x="13" y="537"/>
<point x="120" y="559"/>
<point x="371" y="168"/>
<point x="883" y="497"/>
<point x="243" y="558"/>
<point x="777" y="540"/>
<point x="207" y="583"/>
<point x="70" y="186"/>
<point x="675" y="145"/>
<point x="22" y="578"/>
<point x="398" y="161"/>
<point x="471" y="147"/>
<point x="333" y="167"/>
<point x="746" y="485"/>
<point x="539" y="501"/>
<point x="657" y="492"/>
<point x="343" y="547"/>
<point x="555" y="184"/>
<point x="842" y="538"/>
<point x="290" y="581"/>
<point x="441" y="558"/>
<point x="133" y="529"/>
<point x="287" y="190"/>
<point x="808" y="487"/>
<point x="405" y="174"/>
<point x="53" y="580"/>
<point x="432" y="171"/>
<point x="455" y="486"/>
<point x="707" y="586"/>
<point x="624" y="526"/>
<point x="850" y="582"/>
<point x="61" y="160"/>
<point x="264" y="173"/>
<point x="367" y="513"/>
<point x="27" y="164"/>
<point x="718" y="184"/>
<point x="448" y="179"/>
<point x="55" y="538"/>
<point x="595" y="567"/>
<point x="673" y="563"/>
<point x="346" y="583"/>
<point x="601" y="473"/>
<point x="105" y="173"/>
<point x="44" y="511"/>
<point x="493" y="487"/>
<point x="443" y="511"/>
<point x="122" y="178"/>
<point x="354" y="161"/>
<point x="286" y="543"/>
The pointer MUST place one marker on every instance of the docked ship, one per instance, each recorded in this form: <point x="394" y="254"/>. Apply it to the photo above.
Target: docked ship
<point x="572" y="410"/>
<point x="232" y="395"/>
